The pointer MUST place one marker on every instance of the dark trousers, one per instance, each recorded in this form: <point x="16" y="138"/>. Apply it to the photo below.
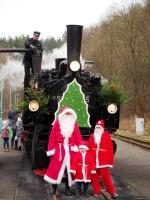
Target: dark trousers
<point x="54" y="186"/>
<point x="79" y="186"/>
<point x="28" y="70"/>
<point x="6" y="142"/>
<point x="13" y="138"/>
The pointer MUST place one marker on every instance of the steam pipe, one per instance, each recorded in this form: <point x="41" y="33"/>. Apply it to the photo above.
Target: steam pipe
<point x="13" y="50"/>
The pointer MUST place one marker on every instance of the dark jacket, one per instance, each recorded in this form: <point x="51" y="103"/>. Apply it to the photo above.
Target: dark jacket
<point x="36" y="51"/>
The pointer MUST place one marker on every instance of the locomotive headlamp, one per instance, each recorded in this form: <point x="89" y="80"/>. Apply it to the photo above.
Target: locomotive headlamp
<point x="112" y="108"/>
<point x="33" y="106"/>
<point x="75" y="66"/>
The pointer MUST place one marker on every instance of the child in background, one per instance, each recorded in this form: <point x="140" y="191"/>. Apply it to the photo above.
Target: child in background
<point x="82" y="166"/>
<point x="6" y="134"/>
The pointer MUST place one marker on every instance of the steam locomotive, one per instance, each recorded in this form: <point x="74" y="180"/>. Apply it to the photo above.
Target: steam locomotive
<point x="68" y="84"/>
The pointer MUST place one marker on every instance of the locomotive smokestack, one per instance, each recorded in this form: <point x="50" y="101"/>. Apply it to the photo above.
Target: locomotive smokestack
<point x="74" y="37"/>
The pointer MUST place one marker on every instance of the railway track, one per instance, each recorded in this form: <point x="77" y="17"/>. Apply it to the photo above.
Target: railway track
<point x="141" y="143"/>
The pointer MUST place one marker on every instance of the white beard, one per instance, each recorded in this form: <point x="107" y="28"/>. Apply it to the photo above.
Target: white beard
<point x="67" y="123"/>
<point x="97" y="136"/>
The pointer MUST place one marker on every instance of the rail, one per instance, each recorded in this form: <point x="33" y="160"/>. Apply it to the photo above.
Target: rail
<point x="135" y="141"/>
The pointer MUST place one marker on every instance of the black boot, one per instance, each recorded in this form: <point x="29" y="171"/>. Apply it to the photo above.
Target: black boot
<point x="114" y="197"/>
<point x="68" y="191"/>
<point x="53" y="188"/>
<point x="78" y="193"/>
<point x="86" y="194"/>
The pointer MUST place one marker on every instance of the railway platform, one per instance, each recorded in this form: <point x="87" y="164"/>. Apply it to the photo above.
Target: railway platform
<point x="9" y="168"/>
<point x="19" y="182"/>
<point x="142" y="141"/>
<point x="33" y="187"/>
<point x="129" y="134"/>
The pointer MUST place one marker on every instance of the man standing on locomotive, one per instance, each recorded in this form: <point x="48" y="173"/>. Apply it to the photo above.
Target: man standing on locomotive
<point x="35" y="48"/>
<point x="101" y="148"/>
<point x="65" y="138"/>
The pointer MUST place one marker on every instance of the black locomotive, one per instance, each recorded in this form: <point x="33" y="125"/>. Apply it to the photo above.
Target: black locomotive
<point x="54" y="84"/>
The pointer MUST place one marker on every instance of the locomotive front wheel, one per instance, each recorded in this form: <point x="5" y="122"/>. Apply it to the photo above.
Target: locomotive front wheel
<point x="34" y="141"/>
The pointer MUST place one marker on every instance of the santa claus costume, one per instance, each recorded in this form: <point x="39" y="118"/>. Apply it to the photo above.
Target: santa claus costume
<point x="82" y="166"/>
<point x="101" y="149"/>
<point x="63" y="142"/>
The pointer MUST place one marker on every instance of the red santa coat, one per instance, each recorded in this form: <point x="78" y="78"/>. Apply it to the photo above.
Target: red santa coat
<point x="61" y="150"/>
<point x="83" y="165"/>
<point x="103" y="153"/>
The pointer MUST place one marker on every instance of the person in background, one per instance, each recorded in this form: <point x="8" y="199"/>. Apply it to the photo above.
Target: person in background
<point x="64" y="140"/>
<point x="35" y="47"/>
<point x="12" y="124"/>
<point x="19" y="129"/>
<point x="6" y="134"/>
<point x="101" y="149"/>
<point x="82" y="166"/>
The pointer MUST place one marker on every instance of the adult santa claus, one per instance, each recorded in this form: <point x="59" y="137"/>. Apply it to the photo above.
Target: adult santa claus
<point x="64" y="140"/>
<point x="101" y="148"/>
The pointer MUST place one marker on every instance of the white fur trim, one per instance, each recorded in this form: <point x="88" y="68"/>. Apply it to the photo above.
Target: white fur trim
<point x="51" y="152"/>
<point x="83" y="147"/>
<point x="61" y="172"/>
<point x="74" y="148"/>
<point x="98" y="126"/>
<point x="72" y="171"/>
<point x="65" y="164"/>
<point x="110" y="166"/>
<point x="50" y="180"/>
<point x="93" y="172"/>
<point x="82" y="180"/>
<point x="68" y="110"/>
<point x="103" y="166"/>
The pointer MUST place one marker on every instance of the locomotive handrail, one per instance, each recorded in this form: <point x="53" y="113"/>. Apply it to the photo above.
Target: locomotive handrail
<point x="13" y="50"/>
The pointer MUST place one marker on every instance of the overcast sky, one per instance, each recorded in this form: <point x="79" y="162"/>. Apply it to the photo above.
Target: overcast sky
<point x="50" y="17"/>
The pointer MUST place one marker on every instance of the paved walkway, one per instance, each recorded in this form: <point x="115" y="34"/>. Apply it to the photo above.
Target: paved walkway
<point x="133" y="166"/>
<point x="9" y="168"/>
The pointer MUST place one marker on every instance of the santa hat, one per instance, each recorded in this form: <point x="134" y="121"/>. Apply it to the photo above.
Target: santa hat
<point x="100" y="123"/>
<point x="83" y="145"/>
<point x="65" y="110"/>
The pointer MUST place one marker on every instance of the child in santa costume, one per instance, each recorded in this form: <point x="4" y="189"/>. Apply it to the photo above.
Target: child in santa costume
<point x="64" y="140"/>
<point x="82" y="166"/>
<point x="101" y="148"/>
